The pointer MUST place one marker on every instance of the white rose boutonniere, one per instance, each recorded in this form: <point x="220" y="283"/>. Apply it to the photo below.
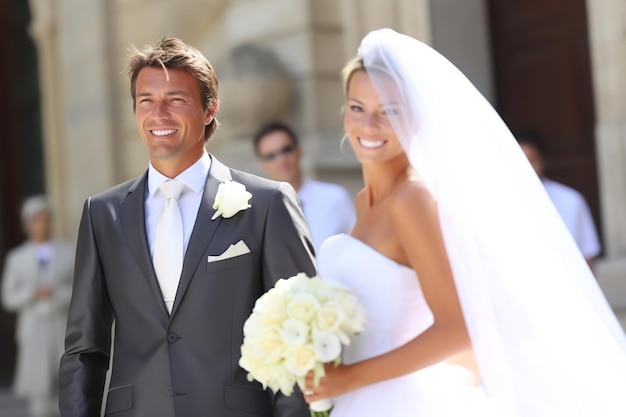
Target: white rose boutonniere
<point x="230" y="199"/>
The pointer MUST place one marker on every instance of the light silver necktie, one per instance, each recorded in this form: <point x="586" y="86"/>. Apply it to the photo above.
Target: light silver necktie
<point x="168" y="243"/>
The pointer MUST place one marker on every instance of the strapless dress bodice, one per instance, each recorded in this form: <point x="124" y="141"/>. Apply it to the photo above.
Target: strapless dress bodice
<point x="390" y="292"/>
<point x="397" y="312"/>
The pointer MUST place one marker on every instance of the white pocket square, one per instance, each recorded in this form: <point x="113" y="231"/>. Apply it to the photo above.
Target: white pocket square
<point x="238" y="249"/>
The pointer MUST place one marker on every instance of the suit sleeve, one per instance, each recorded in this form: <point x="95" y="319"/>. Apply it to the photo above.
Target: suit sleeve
<point x="287" y="246"/>
<point x="288" y="250"/>
<point x="88" y="336"/>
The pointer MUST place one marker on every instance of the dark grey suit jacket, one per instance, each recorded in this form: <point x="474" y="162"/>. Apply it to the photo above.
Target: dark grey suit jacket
<point x="186" y="364"/>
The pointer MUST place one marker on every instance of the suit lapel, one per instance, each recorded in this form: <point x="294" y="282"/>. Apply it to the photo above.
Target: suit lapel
<point x="203" y="230"/>
<point x="134" y="225"/>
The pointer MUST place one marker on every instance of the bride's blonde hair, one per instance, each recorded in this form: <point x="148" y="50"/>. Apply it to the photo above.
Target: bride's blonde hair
<point x="352" y="66"/>
<point x="357" y="64"/>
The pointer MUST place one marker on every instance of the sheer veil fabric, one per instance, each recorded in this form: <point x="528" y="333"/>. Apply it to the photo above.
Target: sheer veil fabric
<point x="547" y="342"/>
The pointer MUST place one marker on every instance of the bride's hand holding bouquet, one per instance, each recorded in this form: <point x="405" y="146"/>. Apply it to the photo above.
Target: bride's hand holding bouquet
<point x="295" y="329"/>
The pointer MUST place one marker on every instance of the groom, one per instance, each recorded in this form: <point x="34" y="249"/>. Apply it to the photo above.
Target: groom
<point x="178" y="317"/>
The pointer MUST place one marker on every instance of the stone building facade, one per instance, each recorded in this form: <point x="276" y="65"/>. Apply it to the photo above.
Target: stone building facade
<point x="281" y="59"/>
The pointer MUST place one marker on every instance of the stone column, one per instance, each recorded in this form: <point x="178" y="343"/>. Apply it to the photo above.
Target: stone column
<point x="85" y="99"/>
<point x="43" y="29"/>
<point x="361" y="16"/>
<point x="76" y="104"/>
<point x="608" y="54"/>
<point x="460" y="32"/>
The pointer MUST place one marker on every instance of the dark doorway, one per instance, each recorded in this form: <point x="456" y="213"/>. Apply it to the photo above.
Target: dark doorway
<point x="21" y="159"/>
<point x="543" y="82"/>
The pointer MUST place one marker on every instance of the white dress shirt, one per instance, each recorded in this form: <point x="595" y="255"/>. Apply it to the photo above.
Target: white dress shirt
<point x="194" y="178"/>
<point x="328" y="209"/>
<point x="576" y="215"/>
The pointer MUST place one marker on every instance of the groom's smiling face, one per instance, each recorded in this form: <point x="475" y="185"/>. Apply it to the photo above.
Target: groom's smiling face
<point x="170" y="118"/>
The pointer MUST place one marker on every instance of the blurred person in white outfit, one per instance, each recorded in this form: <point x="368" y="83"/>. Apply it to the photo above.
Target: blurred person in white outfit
<point x="37" y="286"/>
<point x="570" y="204"/>
<point x="328" y="208"/>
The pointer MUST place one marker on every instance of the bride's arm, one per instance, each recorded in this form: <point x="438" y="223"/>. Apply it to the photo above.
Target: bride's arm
<point x="416" y="225"/>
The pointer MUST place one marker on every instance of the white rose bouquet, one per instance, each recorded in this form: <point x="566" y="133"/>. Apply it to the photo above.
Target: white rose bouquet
<point x="296" y="327"/>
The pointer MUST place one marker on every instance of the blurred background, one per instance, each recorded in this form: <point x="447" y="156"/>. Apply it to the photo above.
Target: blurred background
<point x="557" y="67"/>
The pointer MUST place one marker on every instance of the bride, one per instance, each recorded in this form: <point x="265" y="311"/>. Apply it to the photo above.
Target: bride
<point x="458" y="251"/>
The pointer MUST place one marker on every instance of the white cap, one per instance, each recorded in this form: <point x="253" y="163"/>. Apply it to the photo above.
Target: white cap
<point x="33" y="205"/>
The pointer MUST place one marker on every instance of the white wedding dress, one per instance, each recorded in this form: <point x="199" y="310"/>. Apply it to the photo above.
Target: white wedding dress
<point x="546" y="338"/>
<point x="396" y="313"/>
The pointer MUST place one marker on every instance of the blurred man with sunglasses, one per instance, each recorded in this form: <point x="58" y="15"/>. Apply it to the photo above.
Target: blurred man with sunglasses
<point x="328" y="208"/>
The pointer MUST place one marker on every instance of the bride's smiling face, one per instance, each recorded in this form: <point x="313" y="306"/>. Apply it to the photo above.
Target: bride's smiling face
<point x="367" y="119"/>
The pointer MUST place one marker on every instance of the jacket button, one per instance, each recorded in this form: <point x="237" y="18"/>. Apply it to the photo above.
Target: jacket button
<point x="172" y="337"/>
<point x="168" y="391"/>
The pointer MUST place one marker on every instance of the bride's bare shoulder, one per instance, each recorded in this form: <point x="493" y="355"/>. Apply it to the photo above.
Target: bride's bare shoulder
<point x="413" y="194"/>
<point x="413" y="204"/>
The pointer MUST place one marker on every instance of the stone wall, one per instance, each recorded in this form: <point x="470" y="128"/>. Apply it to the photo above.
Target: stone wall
<point x="296" y="49"/>
<point x="608" y="51"/>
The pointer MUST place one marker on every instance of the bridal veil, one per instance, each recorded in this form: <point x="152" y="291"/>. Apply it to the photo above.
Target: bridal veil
<point x="545" y="337"/>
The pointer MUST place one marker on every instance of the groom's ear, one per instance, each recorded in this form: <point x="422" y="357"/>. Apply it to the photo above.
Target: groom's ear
<point x="211" y="110"/>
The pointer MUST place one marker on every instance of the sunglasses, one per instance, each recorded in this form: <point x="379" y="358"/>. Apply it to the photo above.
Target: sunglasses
<point x="287" y="150"/>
